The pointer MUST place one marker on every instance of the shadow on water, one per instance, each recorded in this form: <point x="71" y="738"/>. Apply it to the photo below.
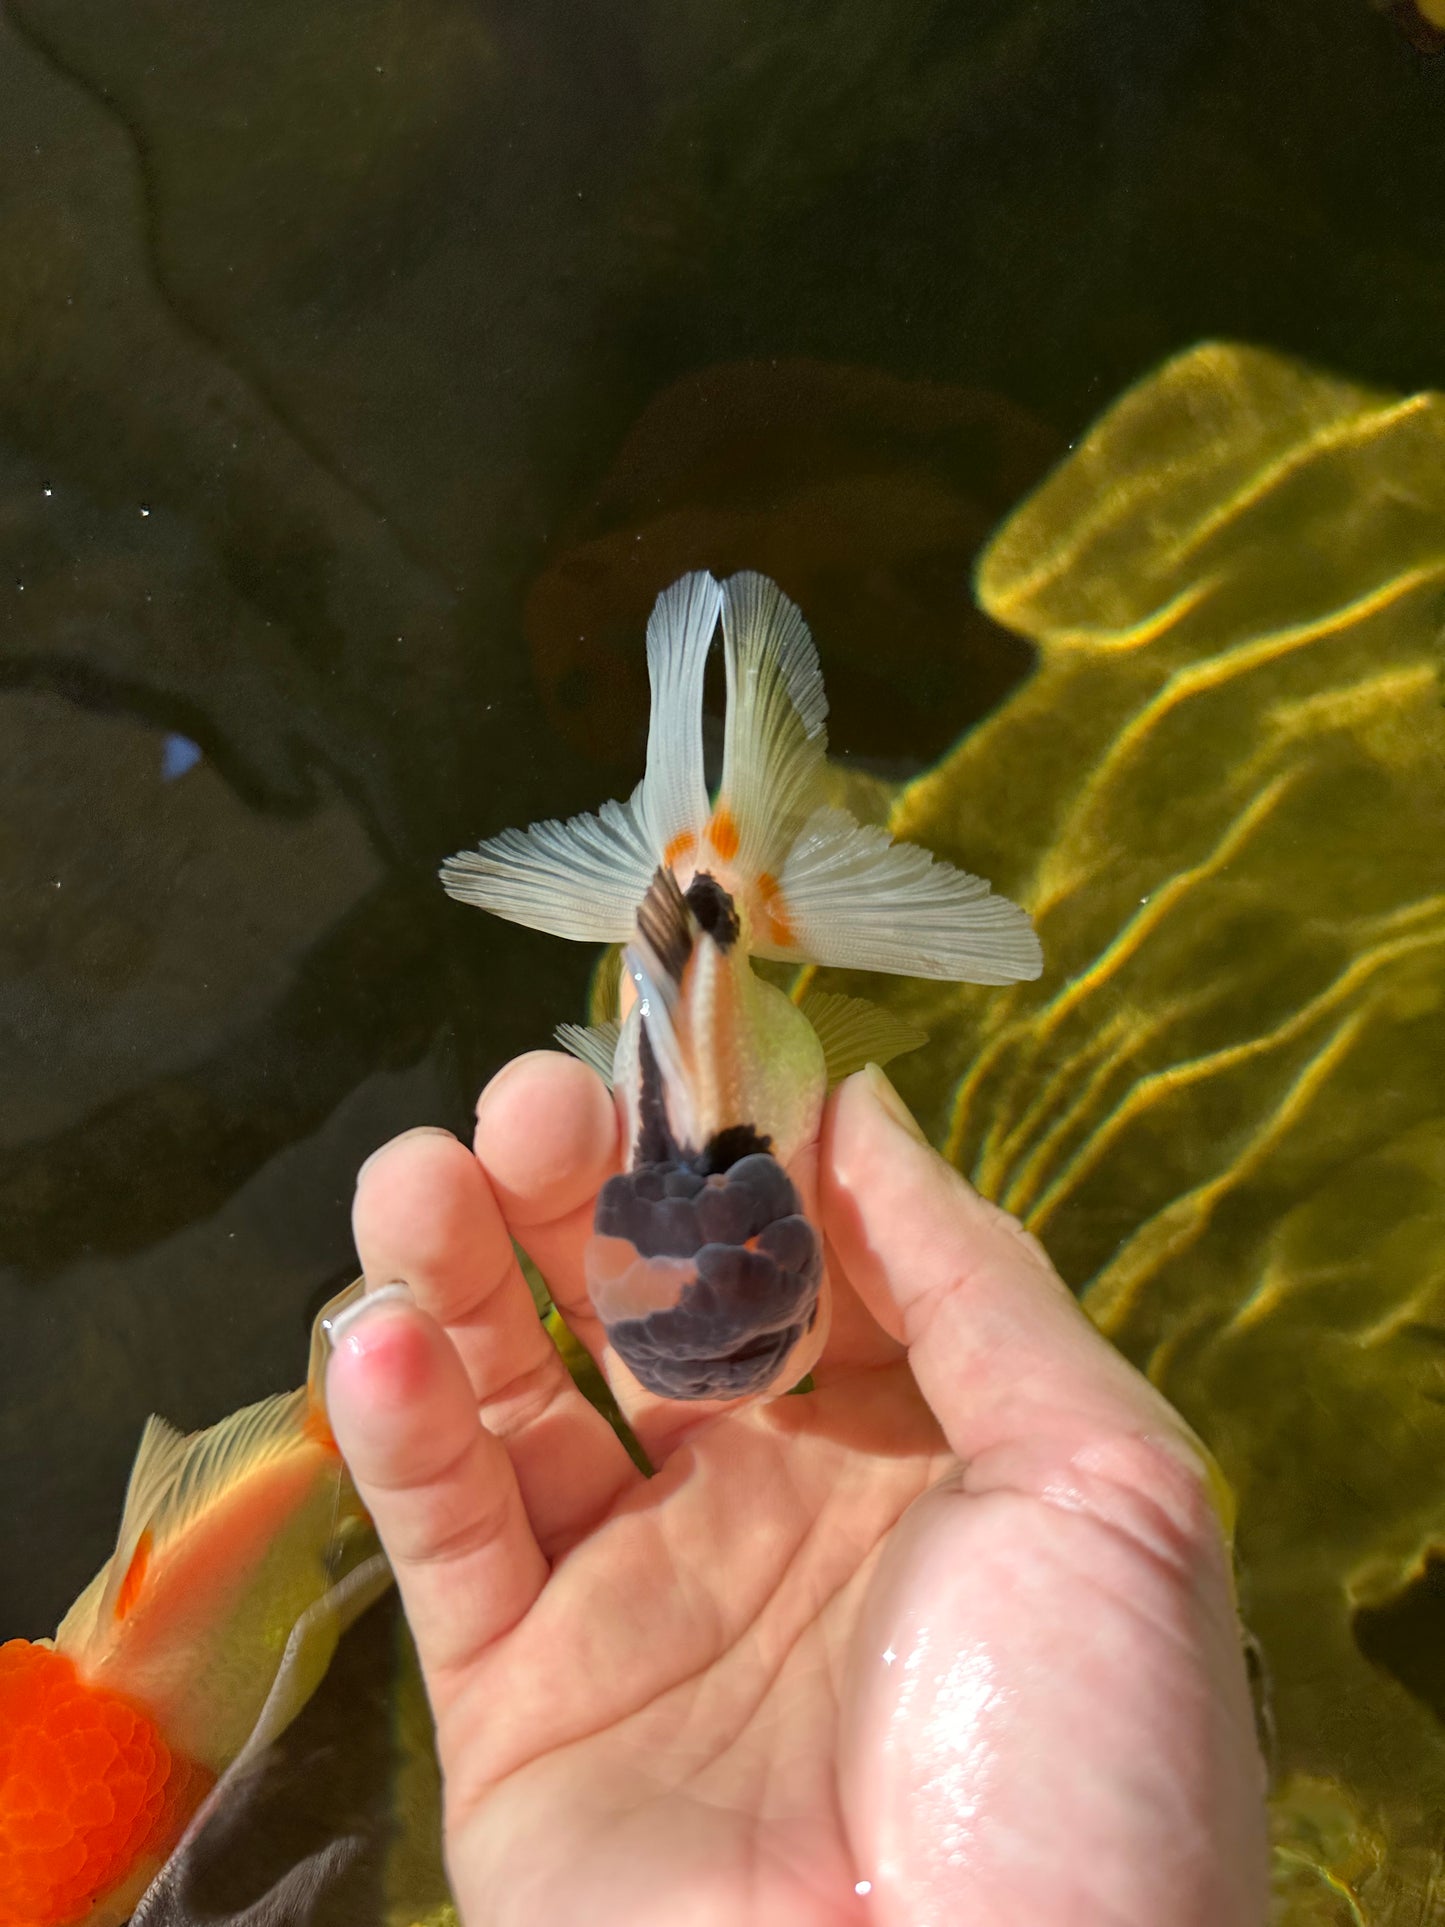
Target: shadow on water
<point x="365" y="372"/>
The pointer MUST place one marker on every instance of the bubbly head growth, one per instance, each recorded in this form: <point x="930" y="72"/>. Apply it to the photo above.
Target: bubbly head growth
<point x="87" y="1786"/>
<point x="704" y="1269"/>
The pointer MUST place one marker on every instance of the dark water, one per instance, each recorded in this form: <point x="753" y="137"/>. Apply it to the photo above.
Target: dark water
<point x="364" y="372"/>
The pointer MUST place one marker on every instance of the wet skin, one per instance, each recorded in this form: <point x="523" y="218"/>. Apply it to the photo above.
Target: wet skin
<point x="948" y="1639"/>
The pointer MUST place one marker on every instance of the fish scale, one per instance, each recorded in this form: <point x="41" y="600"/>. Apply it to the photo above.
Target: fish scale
<point x="750" y="1292"/>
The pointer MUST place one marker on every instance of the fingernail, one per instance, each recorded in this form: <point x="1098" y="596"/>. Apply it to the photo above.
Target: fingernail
<point x="402" y="1137"/>
<point x="888" y="1098"/>
<point x="514" y="1067"/>
<point x="343" y="1323"/>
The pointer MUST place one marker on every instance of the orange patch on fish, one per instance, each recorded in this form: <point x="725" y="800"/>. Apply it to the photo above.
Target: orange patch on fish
<point x="683" y="844"/>
<point x="317" y="1428"/>
<point x="135" y="1575"/>
<point x="88" y="1789"/>
<point x="775" y="915"/>
<point x="722" y="832"/>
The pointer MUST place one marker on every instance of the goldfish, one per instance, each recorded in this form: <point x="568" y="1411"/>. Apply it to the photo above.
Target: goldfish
<point x="241" y="1558"/>
<point x="704" y="1267"/>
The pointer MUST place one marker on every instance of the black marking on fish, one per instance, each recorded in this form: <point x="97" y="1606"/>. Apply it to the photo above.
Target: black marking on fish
<point x="656" y="1145"/>
<point x="655" y="1142"/>
<point x="723" y="1150"/>
<point x="664" y="924"/>
<point x="758" y="1266"/>
<point x="714" y="909"/>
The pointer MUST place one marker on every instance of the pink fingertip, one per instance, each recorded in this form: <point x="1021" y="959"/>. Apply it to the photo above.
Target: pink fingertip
<point x="381" y="1348"/>
<point x="402" y="1137"/>
<point x="547" y="1136"/>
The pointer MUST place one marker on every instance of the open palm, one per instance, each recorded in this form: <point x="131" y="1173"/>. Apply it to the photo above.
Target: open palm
<point x="948" y="1638"/>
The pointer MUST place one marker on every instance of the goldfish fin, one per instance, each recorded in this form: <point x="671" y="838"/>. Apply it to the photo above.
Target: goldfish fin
<point x="666" y="932"/>
<point x="310" y="1646"/>
<point x="580" y="879"/>
<point x="217" y="1459"/>
<point x="76" y="1631"/>
<point x="853" y="897"/>
<point x="584" y="878"/>
<point x="656" y="959"/>
<point x="773" y="751"/>
<point x="317" y="1423"/>
<point x="157" y="1465"/>
<point x="308" y="1652"/>
<point x="174" y="1480"/>
<point x="672" y="800"/>
<point x="595" y="1044"/>
<point x="855" y="1032"/>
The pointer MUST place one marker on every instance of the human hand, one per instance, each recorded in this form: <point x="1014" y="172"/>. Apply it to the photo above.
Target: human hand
<point x="948" y="1638"/>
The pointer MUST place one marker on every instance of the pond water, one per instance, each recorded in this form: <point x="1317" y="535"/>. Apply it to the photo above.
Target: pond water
<point x="364" y="374"/>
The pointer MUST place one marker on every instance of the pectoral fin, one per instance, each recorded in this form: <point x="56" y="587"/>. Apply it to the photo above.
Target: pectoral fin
<point x="308" y="1653"/>
<point x="855" y="1032"/>
<point x="595" y="1044"/>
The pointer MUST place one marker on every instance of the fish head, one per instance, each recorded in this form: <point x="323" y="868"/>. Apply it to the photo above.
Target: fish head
<point x="91" y="1795"/>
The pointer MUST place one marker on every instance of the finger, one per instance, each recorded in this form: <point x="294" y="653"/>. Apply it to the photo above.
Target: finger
<point x="999" y="1346"/>
<point x="440" y="1488"/>
<point x="425" y="1213"/>
<point x="855" y="1341"/>
<point x="547" y="1139"/>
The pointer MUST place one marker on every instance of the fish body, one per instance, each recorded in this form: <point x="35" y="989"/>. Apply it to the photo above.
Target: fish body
<point x="704" y="1267"/>
<point x="205" y="1631"/>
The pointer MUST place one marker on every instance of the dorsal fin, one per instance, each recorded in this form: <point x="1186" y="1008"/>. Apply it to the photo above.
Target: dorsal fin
<point x="665" y="925"/>
<point x="217" y="1459"/>
<point x="157" y="1460"/>
<point x="175" y="1480"/>
<point x="656" y="959"/>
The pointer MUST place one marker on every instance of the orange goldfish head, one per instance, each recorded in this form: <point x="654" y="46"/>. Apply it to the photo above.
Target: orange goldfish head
<point x="89" y="1791"/>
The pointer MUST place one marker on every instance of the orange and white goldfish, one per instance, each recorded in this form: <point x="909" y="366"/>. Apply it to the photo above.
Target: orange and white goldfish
<point x="241" y="1559"/>
<point x="703" y="1266"/>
